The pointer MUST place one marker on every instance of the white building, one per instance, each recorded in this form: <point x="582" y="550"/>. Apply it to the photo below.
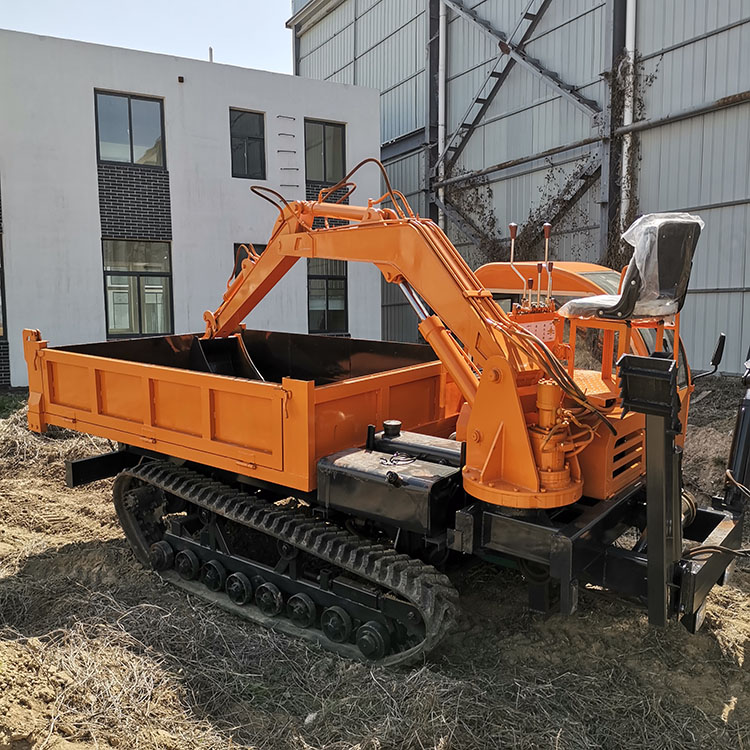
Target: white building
<point x="124" y="190"/>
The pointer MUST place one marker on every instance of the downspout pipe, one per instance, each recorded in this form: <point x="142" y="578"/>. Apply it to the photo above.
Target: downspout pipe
<point x="442" y="39"/>
<point x="628" y="112"/>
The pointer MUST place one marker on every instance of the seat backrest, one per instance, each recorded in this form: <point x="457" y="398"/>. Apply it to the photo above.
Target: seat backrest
<point x="663" y="255"/>
<point x="676" y="245"/>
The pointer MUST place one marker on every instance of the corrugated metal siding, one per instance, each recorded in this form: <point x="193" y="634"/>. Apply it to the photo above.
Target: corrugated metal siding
<point x="698" y="163"/>
<point x="528" y="116"/>
<point x="374" y="43"/>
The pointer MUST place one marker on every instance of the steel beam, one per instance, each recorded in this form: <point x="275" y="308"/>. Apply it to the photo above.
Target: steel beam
<point x="470" y="176"/>
<point x="733" y="100"/>
<point x="403" y="145"/>
<point x="432" y="11"/>
<point x="614" y="41"/>
<point x="532" y="65"/>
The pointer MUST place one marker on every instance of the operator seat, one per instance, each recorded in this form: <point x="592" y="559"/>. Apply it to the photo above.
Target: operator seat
<point x="656" y="279"/>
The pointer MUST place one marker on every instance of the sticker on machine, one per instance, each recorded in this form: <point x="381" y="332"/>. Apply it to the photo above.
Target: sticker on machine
<point x="542" y="329"/>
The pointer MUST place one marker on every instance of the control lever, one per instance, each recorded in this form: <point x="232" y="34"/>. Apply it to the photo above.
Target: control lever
<point x="716" y="359"/>
<point x="547" y="231"/>
<point x="539" y="267"/>
<point x="513" y="228"/>
<point x="550" y="266"/>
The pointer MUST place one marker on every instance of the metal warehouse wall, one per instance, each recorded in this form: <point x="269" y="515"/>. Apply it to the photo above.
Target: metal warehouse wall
<point x="543" y="128"/>
<point x="700" y="52"/>
<point x="527" y="116"/>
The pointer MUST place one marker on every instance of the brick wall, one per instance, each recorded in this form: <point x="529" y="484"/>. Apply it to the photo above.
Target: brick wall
<point x="134" y="202"/>
<point x="312" y="191"/>
<point x="4" y="364"/>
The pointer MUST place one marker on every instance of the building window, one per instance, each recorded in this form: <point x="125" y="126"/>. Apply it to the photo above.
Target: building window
<point x="325" y="163"/>
<point x="324" y="151"/>
<point x="130" y="129"/>
<point x="326" y="296"/>
<point x="138" y="287"/>
<point x="241" y="251"/>
<point x="247" y="131"/>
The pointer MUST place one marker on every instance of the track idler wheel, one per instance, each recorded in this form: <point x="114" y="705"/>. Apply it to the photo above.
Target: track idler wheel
<point x="301" y="610"/>
<point x="337" y="625"/>
<point x="269" y="599"/>
<point x="373" y="640"/>
<point x="187" y="564"/>
<point x="239" y="589"/>
<point x="161" y="555"/>
<point x="213" y="575"/>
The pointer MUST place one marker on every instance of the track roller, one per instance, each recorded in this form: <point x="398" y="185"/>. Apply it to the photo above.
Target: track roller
<point x="269" y="599"/>
<point x="213" y="575"/>
<point x="301" y="610"/>
<point x="161" y="555"/>
<point x="337" y="624"/>
<point x="239" y="589"/>
<point x="187" y="564"/>
<point x="373" y="640"/>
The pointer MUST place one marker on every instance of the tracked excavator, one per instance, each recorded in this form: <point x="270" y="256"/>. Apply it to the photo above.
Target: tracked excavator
<point x="327" y="486"/>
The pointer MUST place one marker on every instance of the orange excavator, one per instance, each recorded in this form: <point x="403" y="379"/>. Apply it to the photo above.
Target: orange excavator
<point x="327" y="486"/>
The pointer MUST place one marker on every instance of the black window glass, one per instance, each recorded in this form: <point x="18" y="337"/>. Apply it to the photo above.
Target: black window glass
<point x="128" y="255"/>
<point x="334" y="153"/>
<point x="114" y="129"/>
<point x="247" y="135"/>
<point x="314" y="151"/>
<point x="147" y="145"/>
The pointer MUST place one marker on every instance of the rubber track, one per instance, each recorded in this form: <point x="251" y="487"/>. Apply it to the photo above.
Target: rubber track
<point x="430" y="591"/>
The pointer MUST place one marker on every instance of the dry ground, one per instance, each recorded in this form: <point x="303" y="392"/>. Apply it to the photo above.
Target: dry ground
<point x="95" y="652"/>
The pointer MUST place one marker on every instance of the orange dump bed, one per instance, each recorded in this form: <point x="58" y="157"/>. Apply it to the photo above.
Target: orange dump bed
<point x="201" y="400"/>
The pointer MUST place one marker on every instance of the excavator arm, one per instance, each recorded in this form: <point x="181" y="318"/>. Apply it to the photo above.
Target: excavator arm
<point x="411" y="252"/>
<point x="483" y="350"/>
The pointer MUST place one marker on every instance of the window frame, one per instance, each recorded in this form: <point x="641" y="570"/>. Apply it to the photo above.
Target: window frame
<point x="329" y="277"/>
<point x="264" y="178"/>
<point x="138" y="275"/>
<point x="131" y="163"/>
<point x="3" y="319"/>
<point x="327" y="123"/>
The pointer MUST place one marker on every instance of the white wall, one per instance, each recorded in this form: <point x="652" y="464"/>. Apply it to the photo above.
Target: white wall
<point x="48" y="179"/>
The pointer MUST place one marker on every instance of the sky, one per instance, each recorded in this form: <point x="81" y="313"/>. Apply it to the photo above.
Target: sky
<point x="250" y="33"/>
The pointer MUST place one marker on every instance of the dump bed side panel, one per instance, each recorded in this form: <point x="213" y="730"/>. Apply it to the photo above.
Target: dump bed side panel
<point x="275" y="432"/>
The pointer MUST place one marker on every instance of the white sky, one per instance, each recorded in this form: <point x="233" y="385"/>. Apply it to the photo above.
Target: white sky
<point x="250" y="33"/>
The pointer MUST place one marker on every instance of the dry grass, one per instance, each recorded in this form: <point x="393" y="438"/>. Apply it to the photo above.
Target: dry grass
<point x="96" y="652"/>
<point x="21" y="449"/>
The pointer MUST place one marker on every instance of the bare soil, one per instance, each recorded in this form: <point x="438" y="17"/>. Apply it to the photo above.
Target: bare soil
<point x="96" y="652"/>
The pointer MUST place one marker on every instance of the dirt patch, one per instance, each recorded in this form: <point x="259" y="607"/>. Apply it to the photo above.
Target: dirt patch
<point x="96" y="652"/>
